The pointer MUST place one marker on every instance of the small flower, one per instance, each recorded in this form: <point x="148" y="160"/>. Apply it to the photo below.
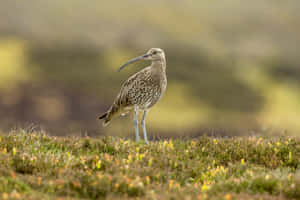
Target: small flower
<point x="39" y="180"/>
<point x="215" y="141"/>
<point x="267" y="177"/>
<point x="165" y="143"/>
<point x="82" y="159"/>
<point x="140" y="184"/>
<point x="193" y="143"/>
<point x="50" y="182"/>
<point x="76" y="184"/>
<point x="242" y="161"/>
<point x="5" y="195"/>
<point x="278" y="143"/>
<point x="259" y="140"/>
<point x="14" y="151"/>
<point x="13" y="175"/>
<point x="171" y="183"/>
<point x="15" y="195"/>
<point x="95" y="183"/>
<point x="171" y="146"/>
<point x="147" y="180"/>
<point x="199" y="197"/>
<point x="141" y="156"/>
<point x="250" y="172"/>
<point x="99" y="175"/>
<point x="150" y="162"/>
<point x="128" y="180"/>
<point x="290" y="156"/>
<point x="290" y="177"/>
<point x="228" y="197"/>
<point x="107" y="157"/>
<point x="60" y="182"/>
<point x="286" y="142"/>
<point x="98" y="164"/>
<point x="205" y="187"/>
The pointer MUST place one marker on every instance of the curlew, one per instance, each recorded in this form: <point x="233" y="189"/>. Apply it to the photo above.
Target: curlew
<point x="141" y="91"/>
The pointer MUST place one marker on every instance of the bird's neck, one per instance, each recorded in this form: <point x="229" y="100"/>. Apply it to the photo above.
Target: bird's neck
<point x="159" y="66"/>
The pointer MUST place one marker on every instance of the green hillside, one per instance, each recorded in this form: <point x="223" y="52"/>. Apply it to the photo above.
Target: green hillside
<point x="231" y="66"/>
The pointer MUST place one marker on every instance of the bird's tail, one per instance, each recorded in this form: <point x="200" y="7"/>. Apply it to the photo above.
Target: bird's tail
<point x="105" y="118"/>
<point x="109" y="115"/>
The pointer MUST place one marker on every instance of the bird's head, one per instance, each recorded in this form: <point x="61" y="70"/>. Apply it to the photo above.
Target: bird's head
<point x="153" y="54"/>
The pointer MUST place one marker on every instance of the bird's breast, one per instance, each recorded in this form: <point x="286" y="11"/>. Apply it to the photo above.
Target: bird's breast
<point x="147" y="90"/>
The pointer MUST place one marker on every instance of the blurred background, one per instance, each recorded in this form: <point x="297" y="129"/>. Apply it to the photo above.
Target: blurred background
<point x="233" y="66"/>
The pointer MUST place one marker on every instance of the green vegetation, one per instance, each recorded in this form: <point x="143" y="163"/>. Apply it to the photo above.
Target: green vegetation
<point x="37" y="166"/>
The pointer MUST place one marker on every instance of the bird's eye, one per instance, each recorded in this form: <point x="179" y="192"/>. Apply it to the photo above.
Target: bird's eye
<point x="154" y="52"/>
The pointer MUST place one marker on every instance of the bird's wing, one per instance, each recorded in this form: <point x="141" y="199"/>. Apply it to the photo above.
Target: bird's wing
<point x="132" y="84"/>
<point x="123" y="99"/>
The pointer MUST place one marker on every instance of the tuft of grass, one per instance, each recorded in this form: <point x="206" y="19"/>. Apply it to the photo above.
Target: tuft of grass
<point x="37" y="166"/>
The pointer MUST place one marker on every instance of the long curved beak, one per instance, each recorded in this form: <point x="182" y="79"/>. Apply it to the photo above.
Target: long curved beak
<point x="133" y="60"/>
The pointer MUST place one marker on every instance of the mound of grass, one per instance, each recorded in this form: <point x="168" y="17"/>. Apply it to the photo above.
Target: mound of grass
<point x="37" y="166"/>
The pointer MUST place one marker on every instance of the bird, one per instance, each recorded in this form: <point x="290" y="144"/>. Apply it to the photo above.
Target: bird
<point x="141" y="91"/>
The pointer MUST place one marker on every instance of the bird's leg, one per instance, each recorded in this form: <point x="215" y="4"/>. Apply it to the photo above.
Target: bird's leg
<point x="136" y="110"/>
<point x="144" y="127"/>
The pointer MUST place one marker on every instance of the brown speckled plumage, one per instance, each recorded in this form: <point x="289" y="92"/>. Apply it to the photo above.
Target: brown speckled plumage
<point x="143" y="89"/>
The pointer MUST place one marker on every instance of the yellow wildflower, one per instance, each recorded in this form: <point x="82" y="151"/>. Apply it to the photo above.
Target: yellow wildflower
<point x="14" y="151"/>
<point x="278" y="143"/>
<point x="205" y="187"/>
<point x="5" y="195"/>
<point x="215" y="141"/>
<point x="267" y="177"/>
<point x="39" y="180"/>
<point x="242" y="161"/>
<point x="228" y="197"/>
<point x="150" y="162"/>
<point x="290" y="156"/>
<point x="171" y="183"/>
<point x="98" y="164"/>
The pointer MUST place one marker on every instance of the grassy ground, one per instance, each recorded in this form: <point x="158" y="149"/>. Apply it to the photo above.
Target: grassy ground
<point x="37" y="166"/>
